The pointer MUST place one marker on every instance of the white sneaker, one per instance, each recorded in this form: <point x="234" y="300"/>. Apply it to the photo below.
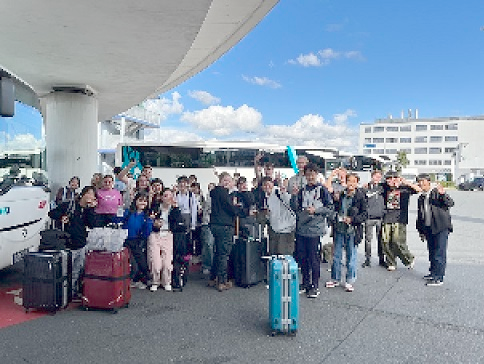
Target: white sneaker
<point x="391" y="268"/>
<point x="140" y="285"/>
<point x="206" y="271"/>
<point x="167" y="287"/>
<point x="153" y="288"/>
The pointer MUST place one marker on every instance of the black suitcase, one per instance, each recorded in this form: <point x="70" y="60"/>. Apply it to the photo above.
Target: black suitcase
<point x="249" y="267"/>
<point x="47" y="280"/>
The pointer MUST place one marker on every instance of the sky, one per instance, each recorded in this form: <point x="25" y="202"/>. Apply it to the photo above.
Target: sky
<point x="312" y="70"/>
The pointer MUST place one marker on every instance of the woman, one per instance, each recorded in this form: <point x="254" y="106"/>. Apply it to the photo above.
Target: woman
<point x="68" y="193"/>
<point x="109" y="201"/>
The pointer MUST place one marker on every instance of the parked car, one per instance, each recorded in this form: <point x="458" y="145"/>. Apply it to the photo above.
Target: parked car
<point x="477" y="184"/>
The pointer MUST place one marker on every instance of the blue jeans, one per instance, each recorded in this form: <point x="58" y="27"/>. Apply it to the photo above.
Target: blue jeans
<point x="223" y="241"/>
<point x="207" y="247"/>
<point x="346" y="241"/>
<point x="437" y="245"/>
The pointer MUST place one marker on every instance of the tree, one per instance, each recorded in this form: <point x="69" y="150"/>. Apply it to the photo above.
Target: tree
<point x="402" y="160"/>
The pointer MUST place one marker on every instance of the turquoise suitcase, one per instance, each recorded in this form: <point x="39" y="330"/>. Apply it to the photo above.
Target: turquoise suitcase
<point x="283" y="295"/>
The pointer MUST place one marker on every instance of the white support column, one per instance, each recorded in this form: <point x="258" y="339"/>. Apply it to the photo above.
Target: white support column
<point x="71" y="137"/>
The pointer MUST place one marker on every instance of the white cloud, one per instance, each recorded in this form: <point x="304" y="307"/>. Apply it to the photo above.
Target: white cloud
<point x="261" y="81"/>
<point x="225" y="120"/>
<point x="314" y="130"/>
<point x="164" y="106"/>
<point x="204" y="97"/>
<point x="323" y="57"/>
<point x="21" y="142"/>
<point x="165" y="135"/>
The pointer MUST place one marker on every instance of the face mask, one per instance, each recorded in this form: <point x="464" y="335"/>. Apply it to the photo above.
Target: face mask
<point x="156" y="229"/>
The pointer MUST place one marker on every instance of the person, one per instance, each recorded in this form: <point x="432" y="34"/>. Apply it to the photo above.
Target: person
<point x="298" y="180"/>
<point x="434" y="225"/>
<point x="313" y="205"/>
<point x="376" y="207"/>
<point x="97" y="180"/>
<point x="157" y="189"/>
<point x="352" y="211"/>
<point x="109" y="202"/>
<point x="138" y="223"/>
<point x="188" y="205"/>
<point x="160" y="242"/>
<point x="125" y="183"/>
<point x="282" y="219"/>
<point x="222" y="227"/>
<point x="147" y="171"/>
<point x="396" y="194"/>
<point x="205" y="233"/>
<point x="68" y="193"/>
<point x="76" y="215"/>
<point x="196" y="238"/>
<point x="246" y="201"/>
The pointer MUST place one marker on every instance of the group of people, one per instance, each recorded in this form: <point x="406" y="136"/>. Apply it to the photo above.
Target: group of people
<point x="166" y="226"/>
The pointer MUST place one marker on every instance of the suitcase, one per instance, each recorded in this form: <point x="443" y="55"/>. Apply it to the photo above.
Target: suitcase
<point x="106" y="281"/>
<point x="47" y="280"/>
<point x="249" y="268"/>
<point x="283" y="295"/>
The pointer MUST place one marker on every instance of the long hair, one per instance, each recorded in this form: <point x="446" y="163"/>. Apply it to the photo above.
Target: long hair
<point x="132" y="207"/>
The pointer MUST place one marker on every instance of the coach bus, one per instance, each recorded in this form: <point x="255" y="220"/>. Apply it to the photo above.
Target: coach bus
<point x="206" y="159"/>
<point x="24" y="203"/>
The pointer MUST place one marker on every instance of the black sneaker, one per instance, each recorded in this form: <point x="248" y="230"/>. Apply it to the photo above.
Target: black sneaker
<point x="366" y="263"/>
<point x="302" y="288"/>
<point x="382" y="263"/>
<point x="313" y="293"/>
<point x="428" y="277"/>
<point x="434" y="282"/>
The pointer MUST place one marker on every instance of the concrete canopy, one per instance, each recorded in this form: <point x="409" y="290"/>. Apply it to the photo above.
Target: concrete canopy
<point x="125" y="51"/>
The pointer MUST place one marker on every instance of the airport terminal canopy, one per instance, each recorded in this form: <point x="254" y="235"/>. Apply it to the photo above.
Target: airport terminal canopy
<point x="121" y="51"/>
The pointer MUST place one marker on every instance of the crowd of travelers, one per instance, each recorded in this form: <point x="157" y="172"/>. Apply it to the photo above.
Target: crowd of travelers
<point x="169" y="227"/>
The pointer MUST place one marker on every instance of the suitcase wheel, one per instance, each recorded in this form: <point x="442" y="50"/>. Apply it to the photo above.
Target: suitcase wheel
<point x="84" y="308"/>
<point x="114" y="311"/>
<point x="273" y="333"/>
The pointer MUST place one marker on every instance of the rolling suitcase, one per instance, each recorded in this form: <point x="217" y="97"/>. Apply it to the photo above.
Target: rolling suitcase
<point x="47" y="280"/>
<point x="106" y="281"/>
<point x="249" y="267"/>
<point x="283" y="295"/>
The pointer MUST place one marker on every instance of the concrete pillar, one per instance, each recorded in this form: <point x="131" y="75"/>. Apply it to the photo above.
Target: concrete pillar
<point x="71" y="135"/>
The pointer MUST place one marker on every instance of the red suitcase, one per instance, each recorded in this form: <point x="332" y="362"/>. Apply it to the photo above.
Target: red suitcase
<point x="106" y="280"/>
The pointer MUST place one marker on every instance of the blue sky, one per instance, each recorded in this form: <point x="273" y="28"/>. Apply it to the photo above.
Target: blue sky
<point x="313" y="70"/>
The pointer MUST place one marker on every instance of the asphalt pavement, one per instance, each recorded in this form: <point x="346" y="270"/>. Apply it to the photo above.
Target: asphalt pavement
<point x="391" y="317"/>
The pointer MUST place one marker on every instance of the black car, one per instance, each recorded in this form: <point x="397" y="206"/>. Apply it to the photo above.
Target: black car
<point x="477" y="184"/>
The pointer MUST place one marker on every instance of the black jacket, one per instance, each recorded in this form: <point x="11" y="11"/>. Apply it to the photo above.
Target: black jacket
<point x="79" y="219"/>
<point x="439" y="209"/>
<point x="358" y="212"/>
<point x="223" y="209"/>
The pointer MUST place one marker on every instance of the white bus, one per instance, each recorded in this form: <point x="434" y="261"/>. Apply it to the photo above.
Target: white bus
<point x="202" y="159"/>
<point x="24" y="203"/>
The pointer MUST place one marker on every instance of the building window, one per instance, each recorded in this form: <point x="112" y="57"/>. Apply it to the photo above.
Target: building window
<point x="378" y="151"/>
<point x="378" y="140"/>
<point x="366" y="151"/>
<point x="391" y="151"/>
<point x="368" y="129"/>
<point x="449" y="150"/>
<point x="451" y="138"/>
<point x="392" y="140"/>
<point x="421" y="139"/>
<point x="378" y="129"/>
<point x="452" y="126"/>
<point x="435" y="139"/>
<point x="436" y="127"/>
<point x="447" y="162"/>
<point x="406" y="128"/>
<point x="405" y="140"/>
<point x="420" y="151"/>
<point x="435" y="150"/>
<point x="392" y="128"/>
<point x="406" y="150"/>
<point x="420" y="127"/>
<point x="435" y="162"/>
<point x="420" y="162"/>
<point x="367" y="140"/>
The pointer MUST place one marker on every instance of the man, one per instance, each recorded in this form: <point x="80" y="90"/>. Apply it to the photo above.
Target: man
<point x="298" y="181"/>
<point x="313" y="205"/>
<point x="376" y="207"/>
<point x="434" y="225"/>
<point x="282" y="219"/>
<point x="396" y="194"/>
<point x="223" y="212"/>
